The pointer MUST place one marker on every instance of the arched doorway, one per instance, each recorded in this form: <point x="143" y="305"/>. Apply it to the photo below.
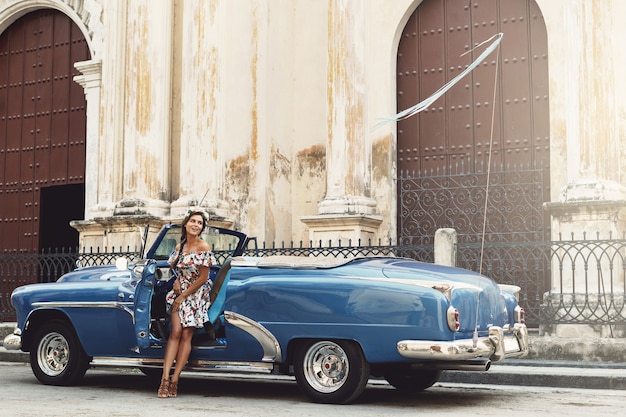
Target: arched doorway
<point x="42" y="132"/>
<point x="42" y="147"/>
<point x="444" y="157"/>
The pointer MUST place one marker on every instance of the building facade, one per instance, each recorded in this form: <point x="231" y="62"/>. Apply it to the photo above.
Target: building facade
<point x="266" y="113"/>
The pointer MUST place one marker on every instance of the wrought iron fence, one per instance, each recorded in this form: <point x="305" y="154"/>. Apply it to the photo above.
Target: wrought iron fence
<point x="21" y="268"/>
<point x="575" y="281"/>
<point x="455" y="197"/>
<point x="525" y="264"/>
<point x="588" y="283"/>
<point x="349" y="250"/>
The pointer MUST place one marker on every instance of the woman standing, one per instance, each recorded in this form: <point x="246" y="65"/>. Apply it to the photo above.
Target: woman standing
<point x="188" y="301"/>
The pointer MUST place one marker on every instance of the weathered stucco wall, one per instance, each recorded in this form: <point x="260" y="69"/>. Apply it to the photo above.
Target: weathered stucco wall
<point x="270" y="107"/>
<point x="587" y="109"/>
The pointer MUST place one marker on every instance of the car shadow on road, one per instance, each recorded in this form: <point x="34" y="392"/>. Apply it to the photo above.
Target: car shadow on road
<point x="283" y="388"/>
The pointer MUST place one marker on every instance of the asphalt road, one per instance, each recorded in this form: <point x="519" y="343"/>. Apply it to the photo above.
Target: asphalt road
<point x="129" y="394"/>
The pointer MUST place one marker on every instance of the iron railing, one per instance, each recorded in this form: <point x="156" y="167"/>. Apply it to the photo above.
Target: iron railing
<point x="588" y="284"/>
<point x="342" y="249"/>
<point x="21" y="268"/>
<point x="455" y="196"/>
<point x="575" y="281"/>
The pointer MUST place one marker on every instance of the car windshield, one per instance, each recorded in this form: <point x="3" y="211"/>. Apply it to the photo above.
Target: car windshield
<point x="223" y="245"/>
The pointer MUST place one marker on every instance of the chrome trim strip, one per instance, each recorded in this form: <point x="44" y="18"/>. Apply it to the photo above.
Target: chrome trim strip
<point x="495" y="347"/>
<point x="89" y="304"/>
<point x="250" y="367"/>
<point x="194" y="365"/>
<point x="126" y="362"/>
<point x="271" y="348"/>
<point x="205" y="347"/>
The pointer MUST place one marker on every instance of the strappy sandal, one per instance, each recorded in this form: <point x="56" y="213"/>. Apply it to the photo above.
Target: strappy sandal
<point x="164" y="389"/>
<point x="173" y="389"/>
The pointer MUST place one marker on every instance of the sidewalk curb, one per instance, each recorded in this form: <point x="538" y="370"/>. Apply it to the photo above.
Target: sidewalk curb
<point x="543" y="376"/>
<point x="13" y="355"/>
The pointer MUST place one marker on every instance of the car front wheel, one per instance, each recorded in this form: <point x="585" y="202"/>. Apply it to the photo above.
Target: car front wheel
<point x="332" y="372"/>
<point x="56" y="356"/>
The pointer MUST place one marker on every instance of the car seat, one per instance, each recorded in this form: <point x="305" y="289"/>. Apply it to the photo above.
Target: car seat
<point x="217" y="297"/>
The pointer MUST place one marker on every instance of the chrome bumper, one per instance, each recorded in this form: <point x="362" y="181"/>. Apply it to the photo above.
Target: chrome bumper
<point x="494" y="347"/>
<point x="13" y="341"/>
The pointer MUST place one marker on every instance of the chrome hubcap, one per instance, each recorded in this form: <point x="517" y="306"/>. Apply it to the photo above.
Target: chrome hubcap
<point x="53" y="354"/>
<point x="326" y="366"/>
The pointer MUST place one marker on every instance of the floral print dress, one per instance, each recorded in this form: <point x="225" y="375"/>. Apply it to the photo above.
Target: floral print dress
<point x="193" y="310"/>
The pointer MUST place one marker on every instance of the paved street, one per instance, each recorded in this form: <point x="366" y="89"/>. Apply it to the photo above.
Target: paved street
<point x="129" y="394"/>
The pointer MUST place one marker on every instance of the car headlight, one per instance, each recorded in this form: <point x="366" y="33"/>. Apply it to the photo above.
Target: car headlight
<point x="453" y="318"/>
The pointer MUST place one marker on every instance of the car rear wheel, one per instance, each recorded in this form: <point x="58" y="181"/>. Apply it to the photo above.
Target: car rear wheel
<point x="412" y="381"/>
<point x="56" y="356"/>
<point x="331" y="372"/>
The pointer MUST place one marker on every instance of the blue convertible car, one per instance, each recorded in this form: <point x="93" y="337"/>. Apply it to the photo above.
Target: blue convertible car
<point x="333" y="323"/>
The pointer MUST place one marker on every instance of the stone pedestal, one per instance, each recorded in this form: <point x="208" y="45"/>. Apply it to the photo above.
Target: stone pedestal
<point x="217" y="209"/>
<point x="117" y="234"/>
<point x="586" y="281"/>
<point x="334" y="228"/>
<point x="446" y="246"/>
<point x="125" y="232"/>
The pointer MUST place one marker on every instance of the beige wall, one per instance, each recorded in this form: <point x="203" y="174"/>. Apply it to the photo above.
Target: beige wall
<point x="269" y="105"/>
<point x="587" y="107"/>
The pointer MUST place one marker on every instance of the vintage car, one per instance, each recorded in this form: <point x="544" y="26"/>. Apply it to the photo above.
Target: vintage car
<point x="333" y="323"/>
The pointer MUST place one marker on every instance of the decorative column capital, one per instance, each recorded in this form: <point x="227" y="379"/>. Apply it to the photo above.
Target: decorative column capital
<point x="90" y="73"/>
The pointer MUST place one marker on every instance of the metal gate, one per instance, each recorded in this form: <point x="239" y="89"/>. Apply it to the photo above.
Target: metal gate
<point x="454" y="136"/>
<point x="447" y="152"/>
<point x="455" y="197"/>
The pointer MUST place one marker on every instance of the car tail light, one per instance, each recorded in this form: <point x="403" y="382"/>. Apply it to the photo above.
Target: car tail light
<point x="453" y="317"/>
<point x="520" y="315"/>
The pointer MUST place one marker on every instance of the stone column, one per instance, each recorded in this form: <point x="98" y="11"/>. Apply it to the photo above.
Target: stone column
<point x="128" y="148"/>
<point x="105" y="88"/>
<point x="91" y="81"/>
<point x="147" y="120"/>
<point x="587" y="164"/>
<point x="200" y="161"/>
<point x="347" y="211"/>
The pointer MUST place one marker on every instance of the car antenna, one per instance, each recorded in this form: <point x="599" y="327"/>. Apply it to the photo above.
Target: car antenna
<point x="144" y="239"/>
<point x="484" y="231"/>
<point x="203" y="197"/>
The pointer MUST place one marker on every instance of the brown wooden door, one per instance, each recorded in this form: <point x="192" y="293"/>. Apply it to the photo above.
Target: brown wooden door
<point x="42" y="145"/>
<point x="42" y="120"/>
<point x="453" y="136"/>
<point x="443" y="152"/>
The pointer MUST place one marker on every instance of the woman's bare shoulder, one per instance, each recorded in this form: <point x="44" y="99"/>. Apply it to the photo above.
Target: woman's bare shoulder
<point x="203" y="247"/>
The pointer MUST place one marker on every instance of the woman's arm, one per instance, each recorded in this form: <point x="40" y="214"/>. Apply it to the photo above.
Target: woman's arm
<point x="174" y="259"/>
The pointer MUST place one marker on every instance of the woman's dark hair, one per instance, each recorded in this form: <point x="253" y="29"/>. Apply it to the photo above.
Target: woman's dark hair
<point x="183" y="232"/>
